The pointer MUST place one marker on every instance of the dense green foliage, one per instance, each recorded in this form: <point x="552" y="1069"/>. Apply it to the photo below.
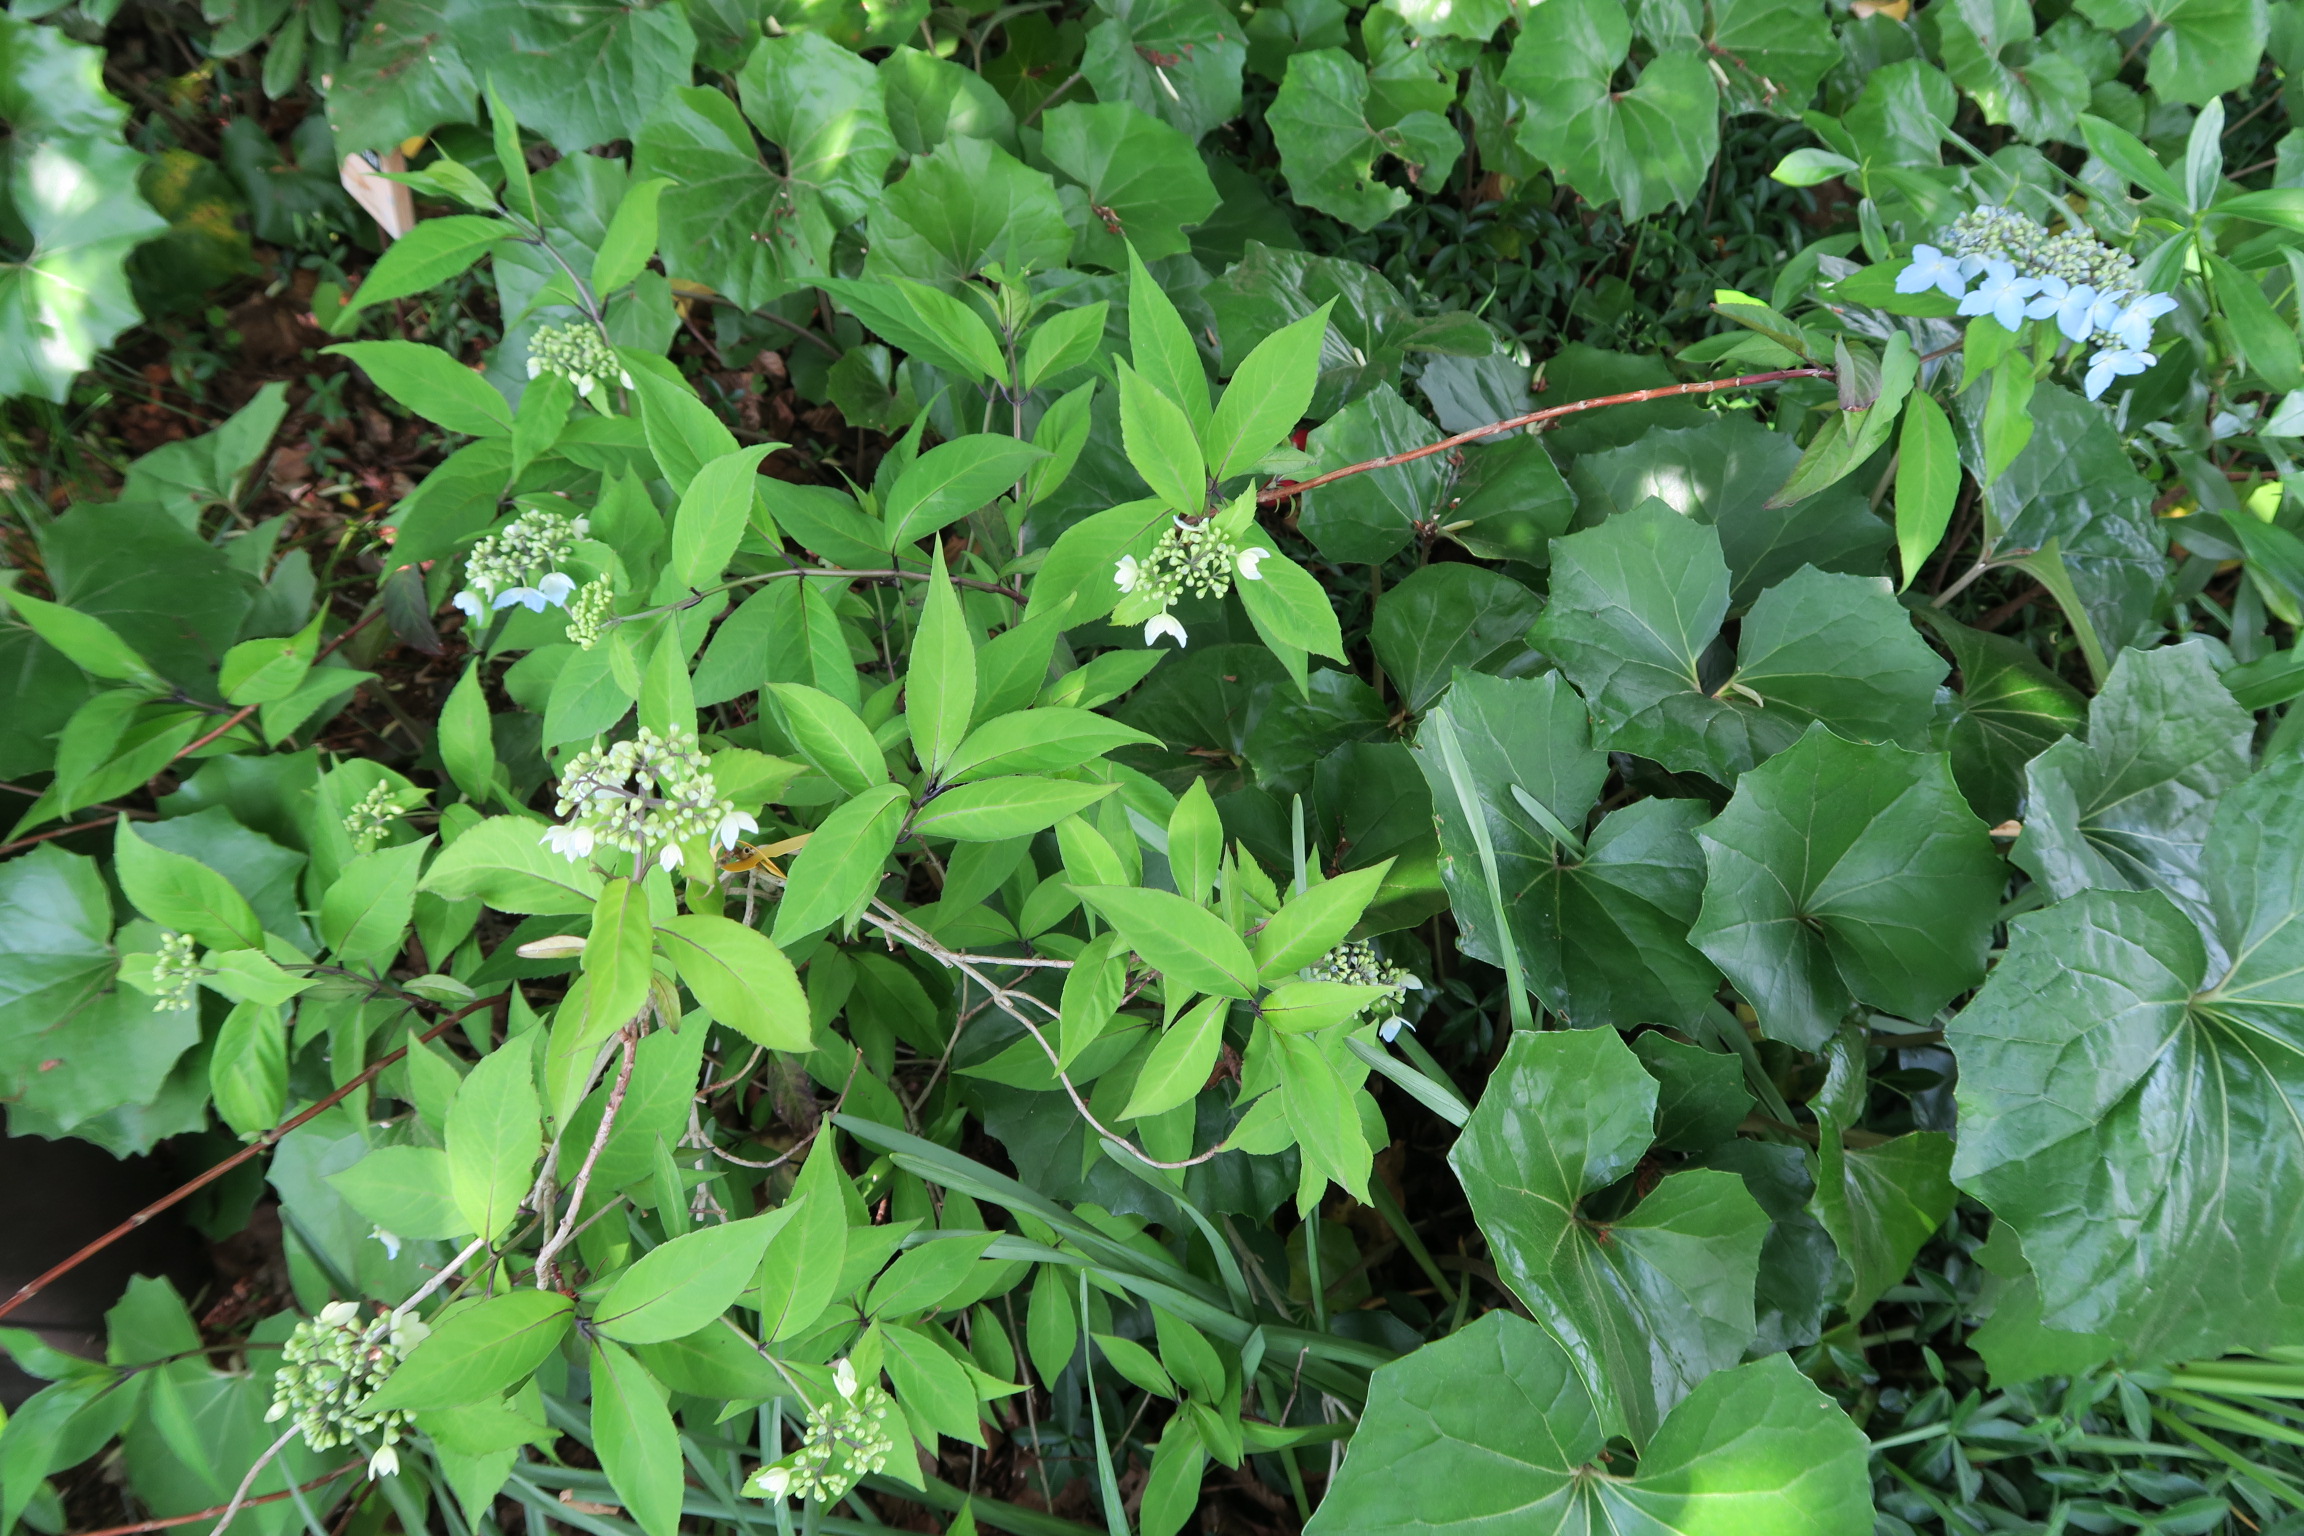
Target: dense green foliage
<point x="1724" y="962"/>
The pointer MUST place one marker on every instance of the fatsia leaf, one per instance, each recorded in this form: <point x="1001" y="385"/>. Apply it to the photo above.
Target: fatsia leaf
<point x="2009" y="710"/>
<point x="1602" y="930"/>
<point x="2128" y="1101"/>
<point x="1491" y="1431"/>
<point x="1177" y="60"/>
<point x="1844" y="873"/>
<point x="2129" y="807"/>
<point x="76" y="198"/>
<point x="1638" y="601"/>
<point x="1881" y="1203"/>
<point x="1647" y="1303"/>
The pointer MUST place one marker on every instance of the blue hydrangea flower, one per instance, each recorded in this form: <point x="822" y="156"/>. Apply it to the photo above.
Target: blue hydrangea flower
<point x="2133" y="327"/>
<point x="2074" y="309"/>
<point x="1931" y="268"/>
<point x="2115" y="362"/>
<point x="2001" y="295"/>
<point x="2049" y="299"/>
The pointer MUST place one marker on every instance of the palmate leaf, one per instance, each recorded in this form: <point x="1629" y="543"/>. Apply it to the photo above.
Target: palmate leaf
<point x="580" y="72"/>
<point x="67" y="296"/>
<point x="1489" y="1432"/>
<point x="2009" y="710"/>
<point x="2129" y="1104"/>
<point x="1179" y="60"/>
<point x="403" y="76"/>
<point x="1140" y="182"/>
<point x="1844" y="873"/>
<point x="2129" y="808"/>
<point x="1321" y="124"/>
<point x="1647" y="147"/>
<point x="1648" y="1303"/>
<point x="1638" y="601"/>
<point x="1602" y="932"/>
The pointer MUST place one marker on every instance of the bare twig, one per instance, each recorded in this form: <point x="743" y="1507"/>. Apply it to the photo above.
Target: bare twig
<point x="198" y="1515"/>
<point x="240" y="1496"/>
<point x="257" y="1148"/>
<point x="545" y="1275"/>
<point x="1279" y="491"/>
<point x="900" y="928"/>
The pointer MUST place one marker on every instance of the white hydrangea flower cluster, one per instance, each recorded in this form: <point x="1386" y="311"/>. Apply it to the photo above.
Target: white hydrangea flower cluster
<point x="329" y="1368"/>
<point x="372" y="816"/>
<point x="846" y="1442"/>
<point x="175" y="970"/>
<point x="1194" y="557"/>
<point x="641" y="796"/>
<point x="2087" y="287"/>
<point x="1357" y="964"/>
<point x="519" y="565"/>
<point x="576" y="352"/>
<point x="589" y="612"/>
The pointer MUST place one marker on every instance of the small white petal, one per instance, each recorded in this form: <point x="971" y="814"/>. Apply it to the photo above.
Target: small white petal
<point x="1129" y="573"/>
<point x="468" y="601"/>
<point x="337" y="1313"/>
<point x="1249" y="559"/>
<point x="844" y="1378"/>
<point x="391" y="1242"/>
<point x="385" y="1463"/>
<point x="555" y="589"/>
<point x="535" y="366"/>
<point x="669" y="859"/>
<point x="1389" y="1028"/>
<point x="1163" y="624"/>
<point x="275" y="1413"/>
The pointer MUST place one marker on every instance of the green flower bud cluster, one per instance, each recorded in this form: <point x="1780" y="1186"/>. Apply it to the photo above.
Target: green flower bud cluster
<point x="500" y="567"/>
<point x="1357" y="964"/>
<point x="576" y="352"/>
<point x="1199" y="558"/>
<point x="847" y="1441"/>
<point x="174" y="973"/>
<point x="648" y="793"/>
<point x="589" y="612"/>
<point x="329" y="1368"/>
<point x="2072" y="257"/>
<point x="373" y="815"/>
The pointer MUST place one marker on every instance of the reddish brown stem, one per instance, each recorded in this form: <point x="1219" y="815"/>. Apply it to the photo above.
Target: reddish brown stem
<point x="1278" y="492"/>
<point x="209" y="1514"/>
<point x="260" y="1145"/>
<point x="78" y="826"/>
<point x="246" y="710"/>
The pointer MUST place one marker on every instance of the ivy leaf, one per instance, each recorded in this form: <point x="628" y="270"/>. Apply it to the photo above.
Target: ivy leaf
<point x="1368" y="518"/>
<point x="2129" y="807"/>
<point x="2200" y="48"/>
<point x="1329" y="147"/>
<point x="1445" y="617"/>
<point x="1490" y="1429"/>
<point x="1844" y="873"/>
<point x="1139" y="182"/>
<point x="1638" y="601"/>
<point x="580" y="73"/>
<point x="826" y="109"/>
<point x="1603" y="929"/>
<point x="1176" y="60"/>
<point x="2115" y="1081"/>
<point x="1647" y="147"/>
<point x="1647" y="1303"/>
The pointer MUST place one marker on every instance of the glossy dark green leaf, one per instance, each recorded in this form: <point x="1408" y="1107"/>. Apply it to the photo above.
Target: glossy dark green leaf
<point x="1701" y="1097"/>
<point x="1329" y="146"/>
<point x="2128" y="808"/>
<point x="1490" y="1430"/>
<point x="1648" y="1302"/>
<point x="1988" y="49"/>
<point x="1880" y="1203"/>
<point x="1601" y="931"/>
<point x="2009" y="709"/>
<point x="1446" y="617"/>
<point x="1371" y="517"/>
<point x="2117" y="1077"/>
<point x="1844" y="873"/>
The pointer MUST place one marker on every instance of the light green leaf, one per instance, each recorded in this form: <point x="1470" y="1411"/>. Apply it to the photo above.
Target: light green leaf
<point x="837" y="872"/>
<point x="432" y="384"/>
<point x="495" y="1131"/>
<point x="1310" y="925"/>
<point x="1140" y="182"/>
<point x="1647" y="1304"/>
<point x="1927" y="482"/>
<point x="405" y="1190"/>
<point x="635" y="1438"/>
<point x="479" y="1352"/>
<point x="504" y="862"/>
<point x="86" y="640"/>
<point x="248" y="1073"/>
<point x="1489" y="1430"/>
<point x="679" y="1286"/>
<point x="267" y="671"/>
<point x="1014" y="805"/>
<point x="631" y="238"/>
<point x="830" y="736"/>
<point x="1269" y="393"/>
<point x="940" y="684"/>
<point x="1176" y="937"/>
<point x="1038" y="741"/>
<point x="739" y="978"/>
<point x="1065" y="340"/>
<point x="619" y="962"/>
<point x="182" y="893"/>
<point x="950" y="481"/>
<point x="1180" y="1062"/>
<point x="426" y="257"/>
<point x="802" y="1271"/>
<point x="364" y="916"/>
<point x="1160" y="444"/>
<point x="715" y="509"/>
